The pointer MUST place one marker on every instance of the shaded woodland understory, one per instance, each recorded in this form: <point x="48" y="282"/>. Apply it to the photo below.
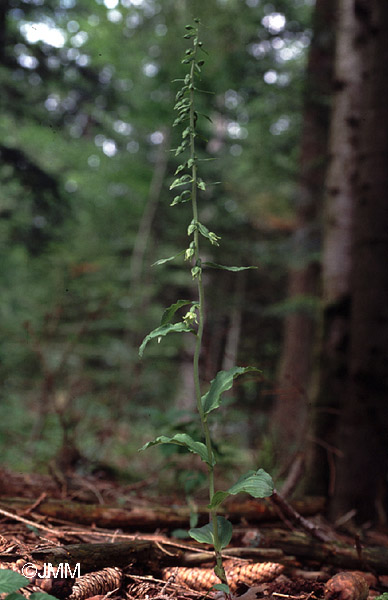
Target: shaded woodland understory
<point x="299" y="131"/>
<point x="126" y="548"/>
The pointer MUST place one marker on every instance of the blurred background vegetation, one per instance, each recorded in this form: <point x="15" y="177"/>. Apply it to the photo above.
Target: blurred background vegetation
<point x="85" y="139"/>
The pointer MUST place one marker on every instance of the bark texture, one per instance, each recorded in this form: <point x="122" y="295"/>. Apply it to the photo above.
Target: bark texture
<point x="290" y="410"/>
<point x="363" y="432"/>
<point x="349" y="454"/>
<point x="336" y="261"/>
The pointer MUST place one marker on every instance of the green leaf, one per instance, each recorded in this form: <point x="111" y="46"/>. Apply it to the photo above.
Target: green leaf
<point x="213" y="265"/>
<point x="221" y="587"/>
<point x="181" y="534"/>
<point x="42" y="596"/>
<point x="222" y="382"/>
<point x="205" y="534"/>
<point x="181" y="439"/>
<point x="257" y="484"/>
<point x="225" y="532"/>
<point x="11" y="581"/>
<point x="171" y="310"/>
<point x="14" y="596"/>
<point x="164" y="330"/>
<point x="161" y="261"/>
<point x="218" y="499"/>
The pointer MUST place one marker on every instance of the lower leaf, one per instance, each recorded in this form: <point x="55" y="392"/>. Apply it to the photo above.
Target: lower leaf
<point x="222" y="587"/>
<point x="205" y="534"/>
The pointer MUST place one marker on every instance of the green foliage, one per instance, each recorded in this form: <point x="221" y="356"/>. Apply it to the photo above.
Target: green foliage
<point x="224" y="268"/>
<point x="257" y="484"/>
<point x="220" y="384"/>
<point x="81" y="124"/>
<point x="182" y="439"/>
<point x="218" y="532"/>
<point x="161" y="331"/>
<point x="10" y="582"/>
<point x="205" y="534"/>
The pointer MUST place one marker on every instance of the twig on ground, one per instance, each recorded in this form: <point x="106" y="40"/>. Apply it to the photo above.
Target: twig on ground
<point x="290" y="513"/>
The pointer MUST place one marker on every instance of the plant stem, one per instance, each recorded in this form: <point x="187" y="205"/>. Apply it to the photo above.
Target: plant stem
<point x="201" y="311"/>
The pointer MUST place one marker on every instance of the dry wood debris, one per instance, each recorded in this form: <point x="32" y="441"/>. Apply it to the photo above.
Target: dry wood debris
<point x="267" y="561"/>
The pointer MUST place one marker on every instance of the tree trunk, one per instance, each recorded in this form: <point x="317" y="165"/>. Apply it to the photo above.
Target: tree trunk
<point x="336" y="263"/>
<point x="363" y="431"/>
<point x="349" y="455"/>
<point x="299" y="331"/>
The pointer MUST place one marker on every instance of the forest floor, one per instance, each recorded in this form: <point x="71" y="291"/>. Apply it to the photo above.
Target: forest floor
<point x="89" y="538"/>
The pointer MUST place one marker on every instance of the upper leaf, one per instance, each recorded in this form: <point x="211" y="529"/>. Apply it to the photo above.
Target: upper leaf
<point x="164" y="330"/>
<point x="171" y="310"/>
<point x="257" y="484"/>
<point x="222" y="382"/>
<point x="181" y="439"/>
<point x="161" y="261"/>
<point x="213" y="265"/>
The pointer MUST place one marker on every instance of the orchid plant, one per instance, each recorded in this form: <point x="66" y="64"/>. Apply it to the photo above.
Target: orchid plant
<point x="189" y="185"/>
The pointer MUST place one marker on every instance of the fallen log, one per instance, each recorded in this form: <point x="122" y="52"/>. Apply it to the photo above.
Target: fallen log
<point x="149" y="519"/>
<point x="93" y="557"/>
<point x="147" y="554"/>
<point x="370" y="558"/>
